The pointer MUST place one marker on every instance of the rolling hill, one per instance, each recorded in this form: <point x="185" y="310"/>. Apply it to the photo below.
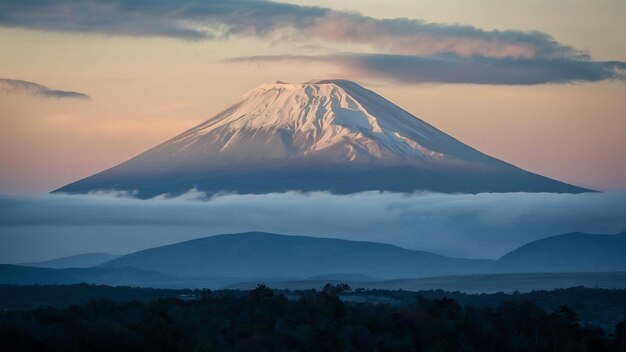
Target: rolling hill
<point x="265" y="255"/>
<point x="570" y="252"/>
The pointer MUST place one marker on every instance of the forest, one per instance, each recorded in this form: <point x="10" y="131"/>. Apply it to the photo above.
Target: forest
<point x="266" y="320"/>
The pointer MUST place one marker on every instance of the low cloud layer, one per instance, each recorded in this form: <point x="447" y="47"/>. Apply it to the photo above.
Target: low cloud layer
<point x="14" y="86"/>
<point x="456" y="69"/>
<point x="481" y="225"/>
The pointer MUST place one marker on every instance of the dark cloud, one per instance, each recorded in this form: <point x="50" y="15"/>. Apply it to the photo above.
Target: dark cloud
<point x="219" y="19"/>
<point x="476" y="225"/>
<point x="168" y="18"/>
<point x="14" y="86"/>
<point x="455" y="69"/>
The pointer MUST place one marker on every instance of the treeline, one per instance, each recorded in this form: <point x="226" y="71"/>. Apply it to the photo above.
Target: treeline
<point x="260" y="320"/>
<point x="596" y="306"/>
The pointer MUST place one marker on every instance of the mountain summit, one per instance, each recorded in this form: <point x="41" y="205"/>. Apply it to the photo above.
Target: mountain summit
<point x="328" y="135"/>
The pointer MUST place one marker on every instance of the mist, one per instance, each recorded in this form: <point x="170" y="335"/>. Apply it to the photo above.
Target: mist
<point x="484" y="225"/>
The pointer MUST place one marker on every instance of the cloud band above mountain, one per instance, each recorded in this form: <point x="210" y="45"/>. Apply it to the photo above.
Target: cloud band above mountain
<point x="456" y="69"/>
<point x="217" y="19"/>
<point x="14" y="86"/>
<point x="405" y="50"/>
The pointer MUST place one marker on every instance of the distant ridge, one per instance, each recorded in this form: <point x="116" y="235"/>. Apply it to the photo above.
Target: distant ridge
<point x="86" y="260"/>
<point x="299" y="261"/>
<point x="574" y="251"/>
<point x="266" y="255"/>
<point x="326" y="135"/>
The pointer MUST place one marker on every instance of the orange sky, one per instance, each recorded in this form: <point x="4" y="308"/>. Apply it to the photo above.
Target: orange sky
<point x="145" y="90"/>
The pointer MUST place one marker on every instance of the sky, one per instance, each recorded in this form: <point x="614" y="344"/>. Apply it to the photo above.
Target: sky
<point x="539" y="84"/>
<point x="85" y="85"/>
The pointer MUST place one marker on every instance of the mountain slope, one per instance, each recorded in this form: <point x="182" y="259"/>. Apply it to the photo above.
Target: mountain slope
<point x="264" y="255"/>
<point x="570" y="252"/>
<point x="325" y="135"/>
<point x="86" y="260"/>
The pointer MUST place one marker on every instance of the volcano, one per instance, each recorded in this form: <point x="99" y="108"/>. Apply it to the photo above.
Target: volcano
<point x="328" y="135"/>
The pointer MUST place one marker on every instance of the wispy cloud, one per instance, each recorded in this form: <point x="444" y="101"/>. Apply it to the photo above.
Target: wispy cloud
<point x="14" y="86"/>
<point x="457" y="69"/>
<point x="478" y="225"/>
<point x="218" y="19"/>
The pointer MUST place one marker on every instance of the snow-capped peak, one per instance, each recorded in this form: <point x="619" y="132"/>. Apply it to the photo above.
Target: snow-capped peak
<point x="322" y="135"/>
<point x="329" y="119"/>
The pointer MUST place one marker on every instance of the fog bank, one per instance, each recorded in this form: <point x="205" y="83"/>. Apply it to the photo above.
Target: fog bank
<point x="482" y="225"/>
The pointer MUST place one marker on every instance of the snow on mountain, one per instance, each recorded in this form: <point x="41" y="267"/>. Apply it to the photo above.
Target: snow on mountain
<point x="297" y="120"/>
<point x="331" y="135"/>
<point x="334" y="120"/>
